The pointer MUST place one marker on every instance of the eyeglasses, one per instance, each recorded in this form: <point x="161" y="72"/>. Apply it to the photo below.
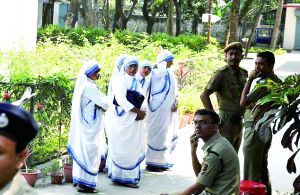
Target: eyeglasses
<point x="201" y="122"/>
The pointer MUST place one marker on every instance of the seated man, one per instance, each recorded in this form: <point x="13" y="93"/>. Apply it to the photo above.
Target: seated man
<point x="219" y="172"/>
<point x="17" y="129"/>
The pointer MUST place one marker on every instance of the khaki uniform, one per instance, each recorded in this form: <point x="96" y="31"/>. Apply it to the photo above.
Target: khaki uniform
<point x="228" y="86"/>
<point x="18" y="186"/>
<point x="220" y="169"/>
<point x="256" y="146"/>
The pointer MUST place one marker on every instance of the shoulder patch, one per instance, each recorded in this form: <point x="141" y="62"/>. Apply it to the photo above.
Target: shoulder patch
<point x="204" y="167"/>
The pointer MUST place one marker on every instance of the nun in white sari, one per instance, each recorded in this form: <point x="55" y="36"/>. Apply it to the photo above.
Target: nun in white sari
<point x="126" y="135"/>
<point x="162" y="118"/>
<point x="117" y="70"/>
<point x="145" y="68"/>
<point x="88" y="104"/>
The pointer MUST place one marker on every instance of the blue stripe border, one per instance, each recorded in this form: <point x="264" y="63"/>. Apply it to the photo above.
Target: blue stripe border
<point x="83" y="182"/>
<point x="133" y="167"/>
<point x="70" y="150"/>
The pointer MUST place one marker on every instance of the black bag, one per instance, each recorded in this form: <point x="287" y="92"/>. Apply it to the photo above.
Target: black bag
<point x="133" y="97"/>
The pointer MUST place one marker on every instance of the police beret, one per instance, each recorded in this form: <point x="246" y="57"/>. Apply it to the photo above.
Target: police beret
<point x="17" y="124"/>
<point x="234" y="45"/>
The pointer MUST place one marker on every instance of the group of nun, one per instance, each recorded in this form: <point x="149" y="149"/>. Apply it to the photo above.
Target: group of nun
<point x="127" y="127"/>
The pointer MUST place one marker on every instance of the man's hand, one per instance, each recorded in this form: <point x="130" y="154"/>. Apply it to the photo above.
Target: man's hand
<point x="194" y="141"/>
<point x="253" y="74"/>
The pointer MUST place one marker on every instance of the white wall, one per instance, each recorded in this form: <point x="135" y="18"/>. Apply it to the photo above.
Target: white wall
<point x="290" y="28"/>
<point x="18" y="22"/>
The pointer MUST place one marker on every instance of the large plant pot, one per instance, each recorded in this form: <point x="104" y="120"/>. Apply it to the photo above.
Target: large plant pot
<point x="56" y="178"/>
<point x="68" y="173"/>
<point x="30" y="176"/>
<point x="183" y="121"/>
<point x="190" y="117"/>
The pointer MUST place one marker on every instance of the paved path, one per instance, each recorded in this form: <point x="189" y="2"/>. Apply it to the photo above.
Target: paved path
<point x="182" y="174"/>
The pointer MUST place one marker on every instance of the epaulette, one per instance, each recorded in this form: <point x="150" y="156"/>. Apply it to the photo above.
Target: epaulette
<point x="243" y="69"/>
<point x="222" y="68"/>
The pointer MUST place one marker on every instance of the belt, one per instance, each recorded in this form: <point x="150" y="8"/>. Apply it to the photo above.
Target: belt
<point x="233" y="117"/>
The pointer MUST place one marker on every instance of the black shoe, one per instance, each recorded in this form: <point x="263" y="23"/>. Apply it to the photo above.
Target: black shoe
<point x="85" y="189"/>
<point x="153" y="169"/>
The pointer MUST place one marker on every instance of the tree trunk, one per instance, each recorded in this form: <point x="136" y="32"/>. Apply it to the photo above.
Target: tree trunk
<point x="178" y="4"/>
<point x="170" y="18"/>
<point x="90" y="12"/>
<point x="276" y="28"/>
<point x="120" y="20"/>
<point x="106" y="17"/>
<point x="209" y="22"/>
<point x="195" y="24"/>
<point x="149" y="16"/>
<point x="244" y="9"/>
<point x="255" y="24"/>
<point x="72" y="15"/>
<point x="119" y="4"/>
<point x="234" y="19"/>
<point x="226" y="35"/>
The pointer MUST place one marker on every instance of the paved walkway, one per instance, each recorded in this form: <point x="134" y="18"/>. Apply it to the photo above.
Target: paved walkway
<point x="182" y="174"/>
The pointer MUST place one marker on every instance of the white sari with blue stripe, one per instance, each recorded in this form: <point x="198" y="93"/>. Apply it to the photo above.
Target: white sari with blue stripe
<point x="161" y="123"/>
<point x="84" y="144"/>
<point x="126" y="135"/>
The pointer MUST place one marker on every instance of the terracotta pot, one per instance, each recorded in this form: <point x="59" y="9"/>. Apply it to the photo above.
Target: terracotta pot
<point x="191" y="117"/>
<point x="56" y="178"/>
<point x="68" y="173"/>
<point x="30" y="176"/>
<point x="183" y="121"/>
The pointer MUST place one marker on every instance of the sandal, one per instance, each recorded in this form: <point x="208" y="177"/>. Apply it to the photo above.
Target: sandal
<point x="132" y="185"/>
<point x="82" y="189"/>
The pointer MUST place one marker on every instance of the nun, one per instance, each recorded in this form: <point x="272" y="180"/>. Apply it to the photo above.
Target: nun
<point x="162" y="118"/>
<point x="84" y="144"/>
<point x="126" y="135"/>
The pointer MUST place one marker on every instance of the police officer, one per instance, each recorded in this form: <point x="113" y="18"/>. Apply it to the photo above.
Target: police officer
<point x="256" y="147"/>
<point x="17" y="129"/>
<point x="219" y="172"/>
<point x="228" y="83"/>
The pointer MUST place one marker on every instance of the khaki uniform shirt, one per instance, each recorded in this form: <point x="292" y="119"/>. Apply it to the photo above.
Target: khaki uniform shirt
<point x="220" y="170"/>
<point x="254" y="96"/>
<point x="228" y="85"/>
<point x="18" y="186"/>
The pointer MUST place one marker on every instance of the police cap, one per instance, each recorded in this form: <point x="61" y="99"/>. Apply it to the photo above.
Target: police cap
<point x="17" y="124"/>
<point x="234" y="45"/>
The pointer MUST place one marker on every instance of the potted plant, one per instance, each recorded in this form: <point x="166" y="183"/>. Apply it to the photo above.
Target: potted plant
<point x="68" y="166"/>
<point x="30" y="175"/>
<point x="55" y="171"/>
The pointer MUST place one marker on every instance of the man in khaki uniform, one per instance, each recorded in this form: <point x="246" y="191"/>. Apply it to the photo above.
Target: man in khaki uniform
<point x="256" y="146"/>
<point x="17" y="129"/>
<point x="228" y="83"/>
<point x="219" y="172"/>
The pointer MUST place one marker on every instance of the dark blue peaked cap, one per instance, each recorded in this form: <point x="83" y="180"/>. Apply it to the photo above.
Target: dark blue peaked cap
<point x="17" y="124"/>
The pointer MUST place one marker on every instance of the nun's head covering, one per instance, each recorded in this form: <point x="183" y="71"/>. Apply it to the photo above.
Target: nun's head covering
<point x="165" y="56"/>
<point x="145" y="63"/>
<point x="120" y="61"/>
<point x="91" y="66"/>
<point x="129" y="61"/>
